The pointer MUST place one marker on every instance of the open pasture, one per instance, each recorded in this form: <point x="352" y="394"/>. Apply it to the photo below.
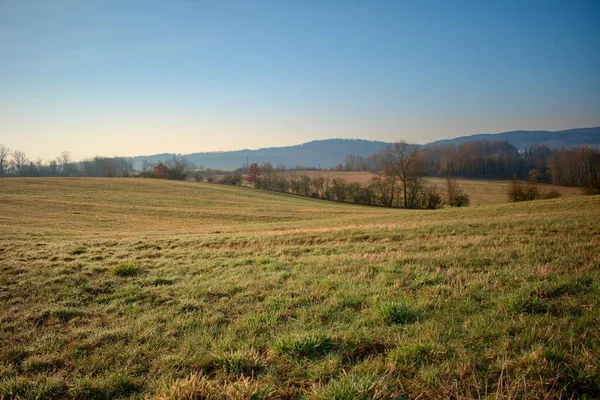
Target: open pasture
<point x="144" y="288"/>
<point x="480" y="191"/>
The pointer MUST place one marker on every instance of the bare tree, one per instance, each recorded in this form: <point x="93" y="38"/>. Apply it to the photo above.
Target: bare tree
<point x="178" y="166"/>
<point x="267" y="173"/>
<point x="41" y="168"/>
<point x="305" y="185"/>
<point x="338" y="187"/>
<point x="519" y="192"/>
<point x="53" y="167"/>
<point x="4" y="154"/>
<point x="318" y="186"/>
<point x="253" y="173"/>
<point x="404" y="164"/>
<point x="453" y="191"/>
<point x="65" y="160"/>
<point x="295" y="185"/>
<point x="19" y="161"/>
<point x="455" y="196"/>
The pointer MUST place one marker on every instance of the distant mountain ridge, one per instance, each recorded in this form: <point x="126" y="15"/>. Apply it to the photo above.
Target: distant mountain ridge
<point x="523" y="139"/>
<point x="318" y="153"/>
<point x="330" y="152"/>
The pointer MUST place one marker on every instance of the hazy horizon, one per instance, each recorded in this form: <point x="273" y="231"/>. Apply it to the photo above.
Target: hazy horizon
<point x="140" y="78"/>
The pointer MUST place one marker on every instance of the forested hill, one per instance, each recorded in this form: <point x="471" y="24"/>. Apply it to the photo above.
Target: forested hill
<point x="319" y="153"/>
<point x="523" y="139"/>
<point x="331" y="152"/>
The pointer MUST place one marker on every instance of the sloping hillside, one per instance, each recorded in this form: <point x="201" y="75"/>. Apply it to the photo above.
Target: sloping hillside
<point x="145" y="288"/>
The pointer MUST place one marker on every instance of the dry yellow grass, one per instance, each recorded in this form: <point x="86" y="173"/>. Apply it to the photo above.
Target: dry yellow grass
<point x="133" y="288"/>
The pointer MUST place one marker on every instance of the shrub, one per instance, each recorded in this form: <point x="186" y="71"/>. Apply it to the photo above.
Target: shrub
<point x="231" y="179"/>
<point x="455" y="196"/>
<point x="432" y="198"/>
<point x="198" y="177"/>
<point x="146" y="174"/>
<point x="592" y="188"/>
<point x="551" y="194"/>
<point x="532" y="191"/>
<point x="461" y="199"/>
<point x="520" y="192"/>
<point x="161" y="171"/>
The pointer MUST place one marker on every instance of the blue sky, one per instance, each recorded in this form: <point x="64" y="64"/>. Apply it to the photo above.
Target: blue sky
<point x="141" y="77"/>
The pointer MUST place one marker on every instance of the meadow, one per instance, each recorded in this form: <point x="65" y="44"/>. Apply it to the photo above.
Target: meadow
<point x="480" y="191"/>
<point x="146" y="288"/>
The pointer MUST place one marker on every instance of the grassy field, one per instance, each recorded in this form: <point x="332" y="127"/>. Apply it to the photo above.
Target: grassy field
<point x="142" y="288"/>
<point x="481" y="192"/>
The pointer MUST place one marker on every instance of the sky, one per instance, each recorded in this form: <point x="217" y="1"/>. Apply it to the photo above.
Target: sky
<point x="140" y="77"/>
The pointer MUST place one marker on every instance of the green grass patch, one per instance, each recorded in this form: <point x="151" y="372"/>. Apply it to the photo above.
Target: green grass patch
<point x="525" y="302"/>
<point x="308" y="346"/>
<point x="398" y="312"/>
<point x="126" y="270"/>
<point x="247" y="363"/>
<point x="412" y="354"/>
<point x="61" y="315"/>
<point x="352" y="387"/>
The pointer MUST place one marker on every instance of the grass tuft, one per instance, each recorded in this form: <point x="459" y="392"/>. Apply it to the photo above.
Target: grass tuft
<point x="163" y="282"/>
<point x="62" y="315"/>
<point x="397" y="312"/>
<point x="352" y="387"/>
<point x="79" y="250"/>
<point x="199" y="387"/>
<point x="567" y="287"/>
<point x="41" y="364"/>
<point x="189" y="308"/>
<point x="248" y="363"/>
<point x="412" y="354"/>
<point x="524" y="302"/>
<point x="309" y="346"/>
<point x="126" y="270"/>
<point x="17" y="388"/>
<point x="114" y="386"/>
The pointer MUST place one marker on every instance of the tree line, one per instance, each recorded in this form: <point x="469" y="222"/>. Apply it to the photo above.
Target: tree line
<point x="398" y="170"/>
<point x="400" y="183"/>
<point x="16" y="163"/>
<point x="498" y="160"/>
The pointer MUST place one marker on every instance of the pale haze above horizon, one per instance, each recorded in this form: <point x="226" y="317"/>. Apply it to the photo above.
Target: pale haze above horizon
<point x="145" y="77"/>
